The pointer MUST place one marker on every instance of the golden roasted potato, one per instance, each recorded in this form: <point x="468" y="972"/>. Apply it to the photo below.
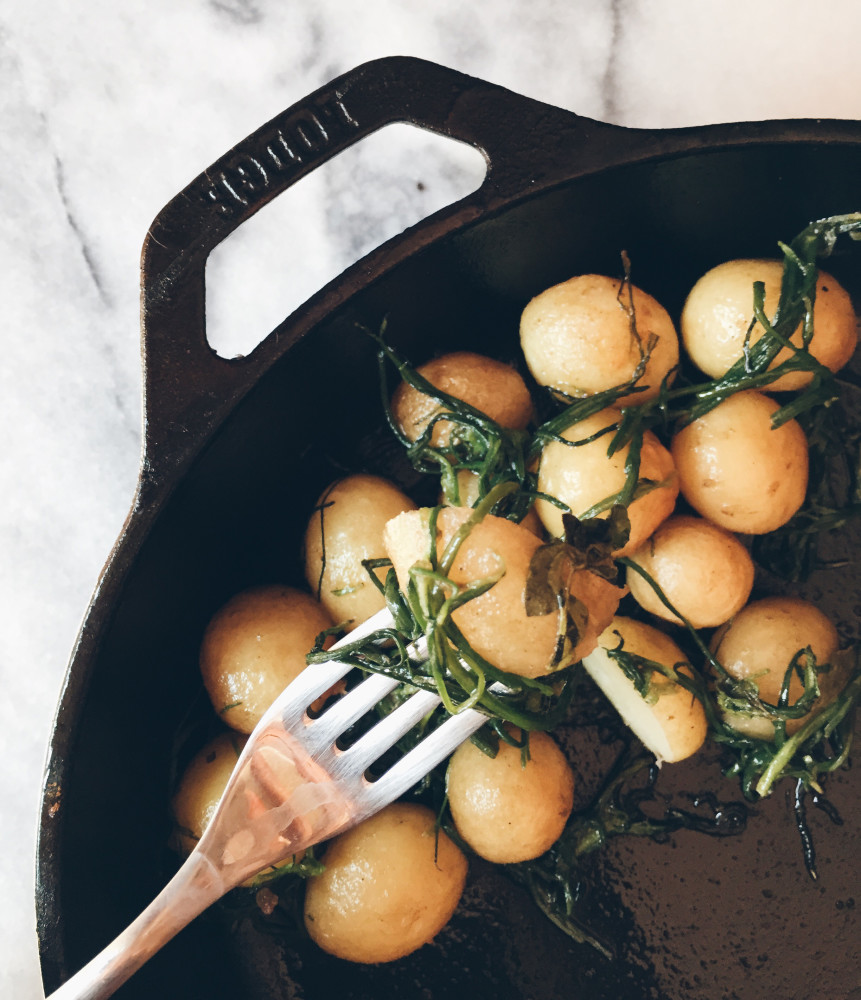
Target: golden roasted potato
<point x="486" y="384"/>
<point x="254" y="646"/>
<point x="719" y="310"/>
<point x="345" y="528"/>
<point x="739" y="472"/>
<point x="508" y="811"/>
<point x="583" y="475"/>
<point x="671" y="721"/>
<point x="390" y="885"/>
<point x="496" y="624"/>
<point x="759" y="644"/>
<point x="578" y="337"/>
<point x="704" y="571"/>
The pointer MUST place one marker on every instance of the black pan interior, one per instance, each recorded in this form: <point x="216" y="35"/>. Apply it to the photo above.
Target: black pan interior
<point x="715" y="919"/>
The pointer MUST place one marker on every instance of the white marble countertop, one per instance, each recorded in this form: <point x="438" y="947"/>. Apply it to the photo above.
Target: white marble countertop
<point x="108" y="109"/>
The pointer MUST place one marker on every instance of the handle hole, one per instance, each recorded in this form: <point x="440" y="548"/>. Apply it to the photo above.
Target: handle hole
<point x="330" y="219"/>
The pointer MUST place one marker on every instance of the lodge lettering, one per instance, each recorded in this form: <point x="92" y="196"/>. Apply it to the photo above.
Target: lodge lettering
<point x="305" y="136"/>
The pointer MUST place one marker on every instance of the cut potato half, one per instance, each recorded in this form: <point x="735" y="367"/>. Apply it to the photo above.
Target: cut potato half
<point x="671" y="722"/>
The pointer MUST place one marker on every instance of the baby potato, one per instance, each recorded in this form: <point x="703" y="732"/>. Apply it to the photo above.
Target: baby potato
<point x="759" y="644"/>
<point x="345" y="528"/>
<point x="577" y="337"/>
<point x="704" y="571"/>
<point x="496" y="624"/>
<point x="254" y="646"/>
<point x="390" y="885"/>
<point x="486" y="384"/>
<point x="467" y="488"/>
<point x="670" y="722"/>
<point x="739" y="472"/>
<point x="200" y="790"/>
<point x="719" y="310"/>
<point x="201" y="787"/>
<point x="583" y="475"/>
<point x="467" y="485"/>
<point x="507" y="811"/>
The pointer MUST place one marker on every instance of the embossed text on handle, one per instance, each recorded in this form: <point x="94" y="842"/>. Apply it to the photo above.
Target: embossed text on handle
<point x="247" y="176"/>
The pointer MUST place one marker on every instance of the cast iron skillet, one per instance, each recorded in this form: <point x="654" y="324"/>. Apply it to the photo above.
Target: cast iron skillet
<point x="236" y="452"/>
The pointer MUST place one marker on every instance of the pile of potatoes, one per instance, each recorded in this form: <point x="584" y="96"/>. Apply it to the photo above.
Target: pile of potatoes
<point x="392" y="883"/>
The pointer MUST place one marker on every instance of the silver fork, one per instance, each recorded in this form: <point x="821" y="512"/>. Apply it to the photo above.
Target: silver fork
<point x="292" y="787"/>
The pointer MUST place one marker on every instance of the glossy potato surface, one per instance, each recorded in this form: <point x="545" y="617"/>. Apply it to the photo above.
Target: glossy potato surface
<point x="254" y="646"/>
<point x="584" y="475"/>
<point x="496" y="624"/>
<point x="759" y="644"/>
<point x="507" y="811"/>
<point x="345" y="528"/>
<point x="390" y="885"/>
<point x="486" y="384"/>
<point x="703" y="570"/>
<point x="577" y="337"/>
<point x="739" y="472"/>
<point x="719" y="309"/>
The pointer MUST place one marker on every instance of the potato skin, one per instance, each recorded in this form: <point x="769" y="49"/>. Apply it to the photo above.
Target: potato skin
<point x="468" y="490"/>
<point x="199" y="792"/>
<point x="202" y="785"/>
<point x="719" y="309"/>
<point x="679" y="715"/>
<point x="576" y="337"/>
<point x="486" y="384"/>
<point x="390" y="885"/>
<point x="737" y="471"/>
<point x="496" y="624"/>
<point x="582" y="476"/>
<point x="759" y="644"/>
<point x="505" y="811"/>
<point x="355" y="513"/>
<point x="704" y="571"/>
<point x="254" y="646"/>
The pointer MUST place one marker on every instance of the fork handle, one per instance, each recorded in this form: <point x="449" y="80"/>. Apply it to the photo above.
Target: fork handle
<point x="194" y="887"/>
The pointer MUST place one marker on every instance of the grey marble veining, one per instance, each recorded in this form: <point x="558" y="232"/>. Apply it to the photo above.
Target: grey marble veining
<point x="108" y="109"/>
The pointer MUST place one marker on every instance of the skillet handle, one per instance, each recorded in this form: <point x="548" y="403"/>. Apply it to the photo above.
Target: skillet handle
<point x="188" y="388"/>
